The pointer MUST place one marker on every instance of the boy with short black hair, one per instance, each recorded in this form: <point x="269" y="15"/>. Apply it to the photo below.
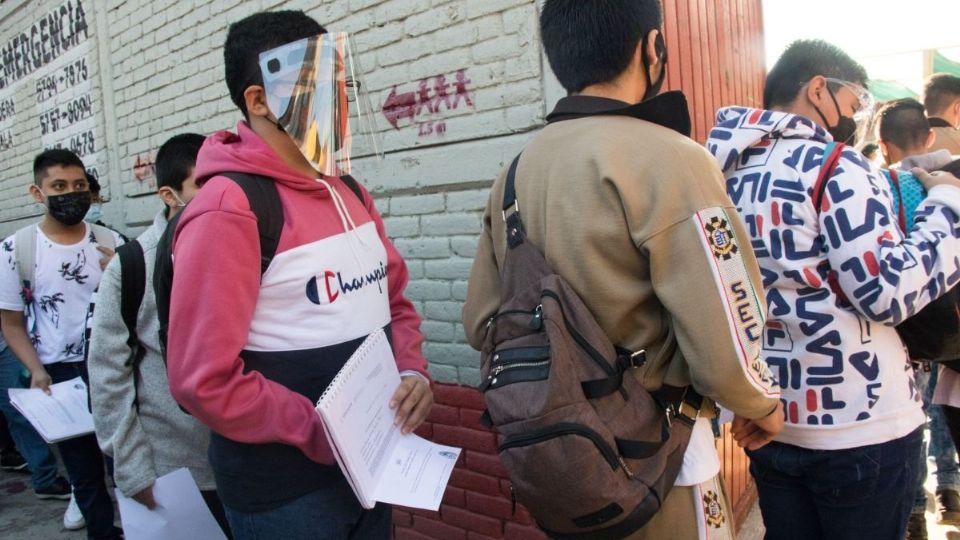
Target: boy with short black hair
<point x="641" y="228"/>
<point x="905" y="140"/>
<point x="839" y="275"/>
<point x="251" y="349"/>
<point x="941" y="99"/>
<point x="137" y="421"/>
<point x="51" y="272"/>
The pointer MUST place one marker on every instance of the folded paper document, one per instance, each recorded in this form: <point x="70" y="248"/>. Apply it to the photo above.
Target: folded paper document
<point x="380" y="462"/>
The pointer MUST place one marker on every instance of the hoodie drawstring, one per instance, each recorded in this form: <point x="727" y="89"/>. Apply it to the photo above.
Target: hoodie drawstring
<point x="346" y="220"/>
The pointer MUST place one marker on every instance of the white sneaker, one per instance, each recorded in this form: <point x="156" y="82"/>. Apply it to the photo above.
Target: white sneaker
<point x="72" y="518"/>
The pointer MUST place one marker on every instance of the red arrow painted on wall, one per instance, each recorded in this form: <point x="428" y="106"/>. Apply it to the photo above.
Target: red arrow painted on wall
<point x="399" y="106"/>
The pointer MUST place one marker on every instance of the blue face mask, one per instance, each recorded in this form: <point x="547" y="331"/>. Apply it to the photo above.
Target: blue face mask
<point x="94" y="214"/>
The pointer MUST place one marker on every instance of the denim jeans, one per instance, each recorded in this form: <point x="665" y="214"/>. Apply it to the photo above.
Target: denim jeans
<point x="42" y="463"/>
<point x="856" y="493"/>
<point x="330" y="513"/>
<point x="940" y="447"/>
<point x="84" y="463"/>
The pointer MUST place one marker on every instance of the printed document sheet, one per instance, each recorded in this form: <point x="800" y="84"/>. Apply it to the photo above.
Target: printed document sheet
<point x="380" y="462"/>
<point x="64" y="414"/>
<point x="180" y="512"/>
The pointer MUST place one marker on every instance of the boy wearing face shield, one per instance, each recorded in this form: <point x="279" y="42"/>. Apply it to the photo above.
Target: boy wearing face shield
<point x="251" y="359"/>
<point x="43" y="312"/>
<point x="839" y="275"/>
<point x="153" y="437"/>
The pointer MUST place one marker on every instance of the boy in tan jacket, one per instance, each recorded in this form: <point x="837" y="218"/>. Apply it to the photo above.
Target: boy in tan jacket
<point x="634" y="215"/>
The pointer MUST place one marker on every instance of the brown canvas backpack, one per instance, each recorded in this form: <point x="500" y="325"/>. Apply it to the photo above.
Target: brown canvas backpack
<point x="590" y="453"/>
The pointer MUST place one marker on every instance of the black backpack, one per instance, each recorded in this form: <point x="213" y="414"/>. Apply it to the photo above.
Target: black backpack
<point x="265" y="204"/>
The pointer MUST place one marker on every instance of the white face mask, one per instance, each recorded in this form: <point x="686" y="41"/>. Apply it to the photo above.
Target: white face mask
<point x="93" y="214"/>
<point x="180" y="203"/>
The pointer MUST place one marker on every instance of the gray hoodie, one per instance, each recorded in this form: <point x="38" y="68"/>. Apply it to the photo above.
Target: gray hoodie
<point x="160" y="438"/>
<point x="928" y="162"/>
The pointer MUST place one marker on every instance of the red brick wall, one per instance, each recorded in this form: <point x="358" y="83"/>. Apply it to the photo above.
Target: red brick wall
<point x="477" y="504"/>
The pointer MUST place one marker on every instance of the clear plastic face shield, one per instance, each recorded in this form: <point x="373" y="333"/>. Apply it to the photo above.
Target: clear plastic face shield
<point x="865" y="109"/>
<point x="315" y="89"/>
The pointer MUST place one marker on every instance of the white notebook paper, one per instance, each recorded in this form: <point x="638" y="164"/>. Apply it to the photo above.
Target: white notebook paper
<point x="381" y="464"/>
<point x="180" y="512"/>
<point x="64" y="414"/>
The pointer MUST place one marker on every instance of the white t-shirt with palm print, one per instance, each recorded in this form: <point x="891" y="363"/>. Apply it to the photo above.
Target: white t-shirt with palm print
<point x="65" y="279"/>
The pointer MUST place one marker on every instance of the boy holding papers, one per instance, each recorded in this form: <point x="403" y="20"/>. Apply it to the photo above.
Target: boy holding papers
<point x="256" y="337"/>
<point x="44" y="308"/>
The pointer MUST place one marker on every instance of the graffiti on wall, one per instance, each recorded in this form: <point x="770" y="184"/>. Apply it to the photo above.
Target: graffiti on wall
<point x="144" y="170"/>
<point x="431" y="96"/>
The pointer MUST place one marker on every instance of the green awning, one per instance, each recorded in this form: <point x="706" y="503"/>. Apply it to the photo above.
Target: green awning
<point x="889" y="90"/>
<point x="942" y="64"/>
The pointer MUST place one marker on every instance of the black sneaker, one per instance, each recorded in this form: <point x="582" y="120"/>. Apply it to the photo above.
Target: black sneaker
<point x="917" y="527"/>
<point x="11" y="460"/>
<point x="948" y="507"/>
<point x="59" y="489"/>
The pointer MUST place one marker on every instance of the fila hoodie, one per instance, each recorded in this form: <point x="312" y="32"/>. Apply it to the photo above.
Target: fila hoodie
<point x="837" y="281"/>
<point x="250" y="357"/>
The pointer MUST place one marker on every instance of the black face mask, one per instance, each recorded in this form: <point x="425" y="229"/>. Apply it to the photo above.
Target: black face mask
<point x="846" y="129"/>
<point x="653" y="88"/>
<point x="69" y="208"/>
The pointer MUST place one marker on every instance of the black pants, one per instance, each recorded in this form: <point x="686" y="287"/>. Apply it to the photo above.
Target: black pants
<point x="952" y="416"/>
<point x="216" y="508"/>
<point x="84" y="463"/>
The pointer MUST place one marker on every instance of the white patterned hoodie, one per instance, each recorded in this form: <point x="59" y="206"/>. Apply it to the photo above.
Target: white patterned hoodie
<point x="838" y="280"/>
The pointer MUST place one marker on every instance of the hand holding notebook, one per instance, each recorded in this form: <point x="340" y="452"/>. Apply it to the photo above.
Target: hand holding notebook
<point x="380" y="463"/>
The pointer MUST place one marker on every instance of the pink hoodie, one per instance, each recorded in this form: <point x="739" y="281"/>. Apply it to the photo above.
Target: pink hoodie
<point x="336" y="277"/>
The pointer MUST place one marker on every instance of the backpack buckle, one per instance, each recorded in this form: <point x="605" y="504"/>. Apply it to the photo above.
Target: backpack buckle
<point x="689" y="406"/>
<point x="516" y="208"/>
<point x="632" y="360"/>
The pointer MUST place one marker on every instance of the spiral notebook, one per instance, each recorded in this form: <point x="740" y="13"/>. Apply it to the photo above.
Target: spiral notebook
<point x="380" y="463"/>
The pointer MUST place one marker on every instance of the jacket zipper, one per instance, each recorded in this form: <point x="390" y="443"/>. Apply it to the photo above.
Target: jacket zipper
<point x="560" y="430"/>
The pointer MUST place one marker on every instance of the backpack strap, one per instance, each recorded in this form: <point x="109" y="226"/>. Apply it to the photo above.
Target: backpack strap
<point x="133" y="283"/>
<point x="103" y="236"/>
<point x="828" y="165"/>
<point x="901" y="210"/>
<point x="25" y="253"/>
<point x="514" y="222"/>
<point x="354" y="186"/>
<point x="265" y="203"/>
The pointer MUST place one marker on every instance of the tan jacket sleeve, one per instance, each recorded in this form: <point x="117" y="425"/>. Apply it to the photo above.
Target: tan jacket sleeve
<point x="483" y="289"/>
<point x="706" y="276"/>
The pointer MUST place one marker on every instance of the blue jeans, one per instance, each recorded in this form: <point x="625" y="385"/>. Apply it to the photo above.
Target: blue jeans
<point x="940" y="447"/>
<point x="856" y="493"/>
<point x="43" y="466"/>
<point x="84" y="463"/>
<point x="330" y="513"/>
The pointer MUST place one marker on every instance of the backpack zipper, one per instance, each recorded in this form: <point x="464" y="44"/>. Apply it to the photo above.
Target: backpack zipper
<point x="559" y="430"/>
<point x="492" y="377"/>
<point x="578" y="337"/>
<point x="536" y="322"/>
<point x="500" y="368"/>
